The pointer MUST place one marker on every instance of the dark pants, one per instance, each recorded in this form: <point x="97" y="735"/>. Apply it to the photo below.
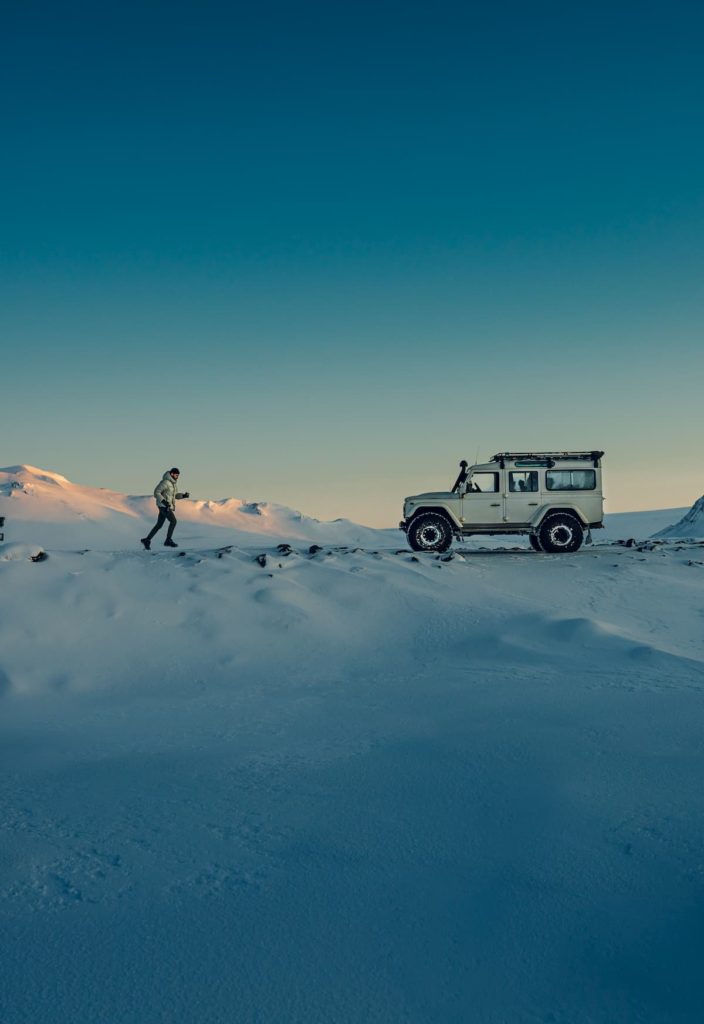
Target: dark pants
<point x="164" y="514"/>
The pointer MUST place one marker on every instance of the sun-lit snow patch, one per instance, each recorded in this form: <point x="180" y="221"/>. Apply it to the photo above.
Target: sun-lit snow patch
<point x="78" y="516"/>
<point x="32" y="473"/>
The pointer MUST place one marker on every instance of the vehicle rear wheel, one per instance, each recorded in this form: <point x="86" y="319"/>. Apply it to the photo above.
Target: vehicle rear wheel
<point x="430" y="532"/>
<point x="561" y="533"/>
<point x="534" y="542"/>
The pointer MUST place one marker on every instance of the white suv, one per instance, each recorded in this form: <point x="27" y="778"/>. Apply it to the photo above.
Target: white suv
<point x="553" y="497"/>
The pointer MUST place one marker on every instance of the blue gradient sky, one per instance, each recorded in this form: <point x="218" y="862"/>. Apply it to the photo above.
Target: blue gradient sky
<point x="318" y="253"/>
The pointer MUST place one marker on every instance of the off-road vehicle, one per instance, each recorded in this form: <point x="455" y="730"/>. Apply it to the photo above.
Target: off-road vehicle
<point x="554" y="498"/>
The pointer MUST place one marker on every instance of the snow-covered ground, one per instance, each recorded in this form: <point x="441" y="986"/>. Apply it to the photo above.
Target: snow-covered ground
<point x="351" y="785"/>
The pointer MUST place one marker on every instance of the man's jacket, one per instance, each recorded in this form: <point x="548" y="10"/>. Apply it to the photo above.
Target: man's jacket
<point x="165" y="492"/>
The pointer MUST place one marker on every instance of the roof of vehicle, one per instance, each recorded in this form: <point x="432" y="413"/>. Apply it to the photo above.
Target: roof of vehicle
<point x="528" y="460"/>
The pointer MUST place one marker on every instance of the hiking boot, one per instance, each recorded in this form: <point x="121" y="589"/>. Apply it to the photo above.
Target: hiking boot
<point x="147" y="543"/>
<point x="170" y="544"/>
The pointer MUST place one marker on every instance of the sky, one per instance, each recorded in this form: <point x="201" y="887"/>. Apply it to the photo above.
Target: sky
<point x="318" y="253"/>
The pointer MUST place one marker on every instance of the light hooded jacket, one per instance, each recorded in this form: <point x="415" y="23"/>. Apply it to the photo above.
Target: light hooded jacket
<point x="165" y="492"/>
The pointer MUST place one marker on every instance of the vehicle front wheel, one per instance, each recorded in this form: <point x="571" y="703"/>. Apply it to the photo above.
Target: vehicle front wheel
<point x="430" y="532"/>
<point x="561" y="533"/>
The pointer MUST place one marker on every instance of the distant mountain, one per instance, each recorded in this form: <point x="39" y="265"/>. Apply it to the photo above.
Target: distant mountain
<point x="44" y="507"/>
<point x="690" y="525"/>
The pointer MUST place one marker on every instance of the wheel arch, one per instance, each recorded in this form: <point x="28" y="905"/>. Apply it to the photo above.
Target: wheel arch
<point x="554" y="510"/>
<point x="437" y="510"/>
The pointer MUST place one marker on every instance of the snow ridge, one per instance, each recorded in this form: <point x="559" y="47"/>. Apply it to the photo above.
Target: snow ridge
<point x="690" y="525"/>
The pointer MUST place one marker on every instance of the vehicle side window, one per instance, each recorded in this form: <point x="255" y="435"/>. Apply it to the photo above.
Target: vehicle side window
<point x="485" y="482"/>
<point x="570" y="480"/>
<point x="519" y="482"/>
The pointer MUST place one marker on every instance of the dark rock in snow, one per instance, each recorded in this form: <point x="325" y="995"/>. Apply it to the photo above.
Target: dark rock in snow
<point x="253" y="508"/>
<point x="41" y="556"/>
<point x="261" y="560"/>
<point x="314" y="549"/>
<point x="284" y="549"/>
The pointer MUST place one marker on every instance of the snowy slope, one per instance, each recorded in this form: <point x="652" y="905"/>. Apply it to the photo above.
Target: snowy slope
<point x="622" y="525"/>
<point x="46" y="508"/>
<point x="357" y="785"/>
<point x="690" y="525"/>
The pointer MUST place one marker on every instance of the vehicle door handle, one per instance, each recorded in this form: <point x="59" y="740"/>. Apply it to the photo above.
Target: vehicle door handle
<point x="495" y="504"/>
<point x="533" y="502"/>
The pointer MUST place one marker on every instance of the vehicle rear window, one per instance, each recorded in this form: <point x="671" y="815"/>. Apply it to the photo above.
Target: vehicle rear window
<point x="570" y="480"/>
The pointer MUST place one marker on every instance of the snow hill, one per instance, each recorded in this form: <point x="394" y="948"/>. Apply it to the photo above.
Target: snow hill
<point x="690" y="525"/>
<point x="47" y="509"/>
<point x="251" y="782"/>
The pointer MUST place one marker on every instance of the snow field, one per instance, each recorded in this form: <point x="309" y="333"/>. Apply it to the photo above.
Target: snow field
<point x="354" y="786"/>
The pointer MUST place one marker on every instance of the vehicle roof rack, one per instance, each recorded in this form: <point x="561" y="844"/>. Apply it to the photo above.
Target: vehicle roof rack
<point x="550" y="457"/>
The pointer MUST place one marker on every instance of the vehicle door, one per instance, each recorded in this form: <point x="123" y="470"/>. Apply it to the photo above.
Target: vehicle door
<point x="483" y="503"/>
<point x="522" y="496"/>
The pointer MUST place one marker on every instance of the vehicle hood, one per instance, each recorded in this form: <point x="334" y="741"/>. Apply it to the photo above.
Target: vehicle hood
<point x="432" y="496"/>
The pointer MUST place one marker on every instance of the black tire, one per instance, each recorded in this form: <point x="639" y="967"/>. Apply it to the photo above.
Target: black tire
<point x="535" y="543"/>
<point x="430" y="532"/>
<point x="561" y="533"/>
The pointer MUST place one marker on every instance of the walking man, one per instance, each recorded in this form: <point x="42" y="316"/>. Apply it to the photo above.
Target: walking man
<point x="166" y="494"/>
